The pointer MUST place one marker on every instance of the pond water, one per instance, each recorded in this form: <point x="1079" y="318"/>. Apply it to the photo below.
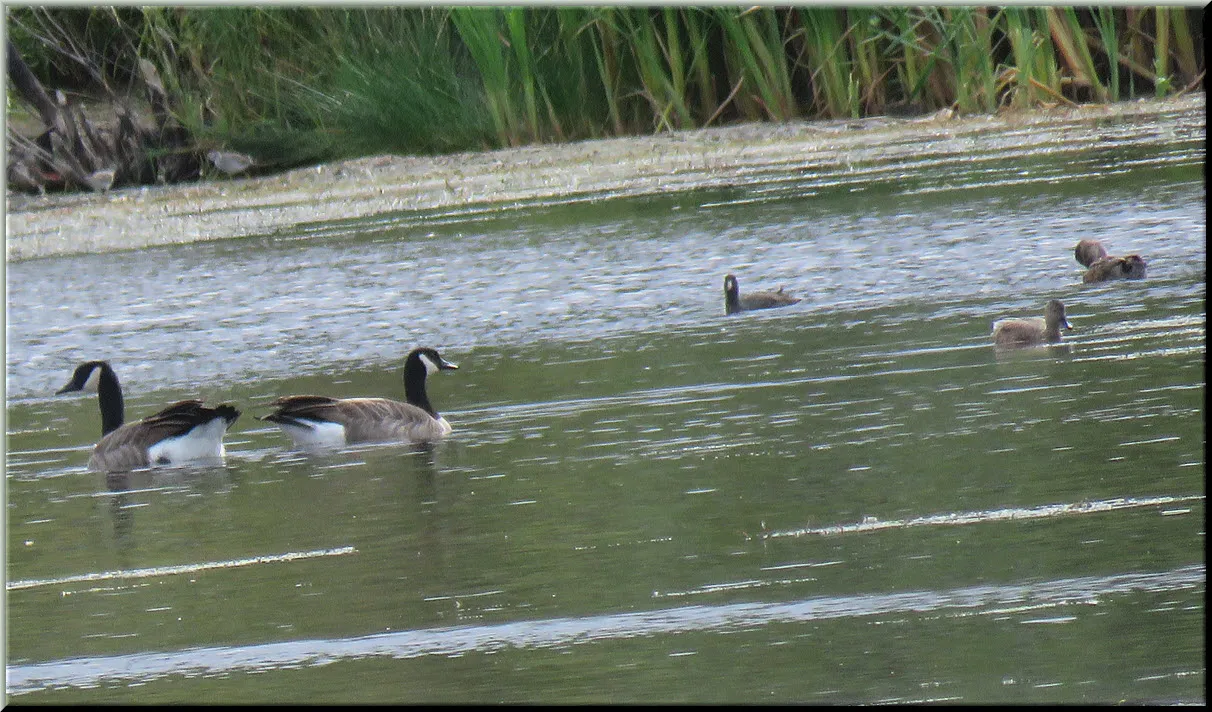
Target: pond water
<point x="851" y="499"/>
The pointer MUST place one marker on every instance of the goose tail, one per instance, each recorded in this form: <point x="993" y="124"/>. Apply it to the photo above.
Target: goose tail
<point x="228" y="412"/>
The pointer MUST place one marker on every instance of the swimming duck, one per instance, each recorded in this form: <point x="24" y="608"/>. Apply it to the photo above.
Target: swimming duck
<point x="1111" y="268"/>
<point x="1087" y="252"/>
<point x="1032" y="331"/>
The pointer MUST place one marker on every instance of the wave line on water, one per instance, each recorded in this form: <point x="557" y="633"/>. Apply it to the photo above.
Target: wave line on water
<point x="989" y="515"/>
<point x="180" y="569"/>
<point x="556" y="632"/>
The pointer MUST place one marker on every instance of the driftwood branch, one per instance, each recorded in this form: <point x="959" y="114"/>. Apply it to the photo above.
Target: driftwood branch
<point x="30" y="88"/>
<point x="73" y="152"/>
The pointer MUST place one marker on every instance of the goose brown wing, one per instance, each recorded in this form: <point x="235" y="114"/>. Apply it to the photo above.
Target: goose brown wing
<point x="181" y="417"/>
<point x="126" y="447"/>
<point x="344" y="410"/>
<point x="369" y="419"/>
<point x="122" y="449"/>
<point x="301" y="404"/>
<point x="288" y="408"/>
<point x="364" y="419"/>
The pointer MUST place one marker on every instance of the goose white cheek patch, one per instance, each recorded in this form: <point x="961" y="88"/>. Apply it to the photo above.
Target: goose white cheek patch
<point x="93" y="382"/>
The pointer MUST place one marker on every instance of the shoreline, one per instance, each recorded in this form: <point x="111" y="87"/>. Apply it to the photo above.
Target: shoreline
<point x="136" y="218"/>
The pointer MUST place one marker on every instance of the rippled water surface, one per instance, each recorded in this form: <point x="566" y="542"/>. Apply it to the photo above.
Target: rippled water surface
<point x="852" y="499"/>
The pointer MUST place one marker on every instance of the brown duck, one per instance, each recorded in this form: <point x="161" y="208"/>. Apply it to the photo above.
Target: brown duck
<point x="1032" y="331"/>
<point x="1111" y="268"/>
<point x="1087" y="252"/>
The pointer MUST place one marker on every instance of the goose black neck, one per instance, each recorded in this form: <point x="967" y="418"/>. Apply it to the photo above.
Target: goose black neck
<point x="414" y="386"/>
<point x="109" y="397"/>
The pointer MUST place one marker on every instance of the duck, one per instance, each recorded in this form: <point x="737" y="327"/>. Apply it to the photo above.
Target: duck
<point x="186" y="432"/>
<point x="1112" y="268"/>
<point x="1034" y="330"/>
<point x="1087" y="252"/>
<point x="734" y="302"/>
<point x="321" y="422"/>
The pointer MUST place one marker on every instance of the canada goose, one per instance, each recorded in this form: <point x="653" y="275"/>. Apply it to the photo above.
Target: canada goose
<point x="1034" y="330"/>
<point x="1087" y="252"/>
<point x="323" y="422"/>
<point x="734" y="302"/>
<point x="184" y="432"/>
<point x="1109" y="268"/>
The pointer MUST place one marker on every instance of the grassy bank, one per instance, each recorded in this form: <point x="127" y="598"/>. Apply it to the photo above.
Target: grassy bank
<point x="296" y="85"/>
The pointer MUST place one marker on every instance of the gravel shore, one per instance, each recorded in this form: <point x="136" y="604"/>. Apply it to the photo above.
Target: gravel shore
<point x="46" y="226"/>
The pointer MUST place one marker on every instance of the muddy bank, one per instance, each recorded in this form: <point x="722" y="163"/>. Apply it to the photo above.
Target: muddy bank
<point x="45" y="226"/>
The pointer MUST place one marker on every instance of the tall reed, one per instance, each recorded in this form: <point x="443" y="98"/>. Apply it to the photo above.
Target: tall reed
<point x="827" y="54"/>
<point x="754" y="55"/>
<point x="1104" y="20"/>
<point x="971" y="46"/>
<point x="310" y="83"/>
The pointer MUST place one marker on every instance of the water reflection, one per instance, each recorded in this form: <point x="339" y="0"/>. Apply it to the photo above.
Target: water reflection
<point x="1023" y="602"/>
<point x="129" y="492"/>
<point x="159" y="571"/>
<point x="120" y="509"/>
<point x="1008" y="353"/>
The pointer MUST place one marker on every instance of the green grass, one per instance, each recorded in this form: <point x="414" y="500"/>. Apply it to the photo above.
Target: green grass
<point x="302" y="84"/>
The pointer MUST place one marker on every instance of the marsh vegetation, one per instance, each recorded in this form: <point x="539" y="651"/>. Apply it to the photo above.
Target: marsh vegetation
<point x="301" y="85"/>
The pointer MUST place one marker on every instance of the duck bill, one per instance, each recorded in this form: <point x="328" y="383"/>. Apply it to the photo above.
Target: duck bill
<point x="1066" y="324"/>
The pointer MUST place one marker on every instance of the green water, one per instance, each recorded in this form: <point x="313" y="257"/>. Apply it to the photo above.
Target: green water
<point x="853" y="499"/>
<point x="690" y="469"/>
